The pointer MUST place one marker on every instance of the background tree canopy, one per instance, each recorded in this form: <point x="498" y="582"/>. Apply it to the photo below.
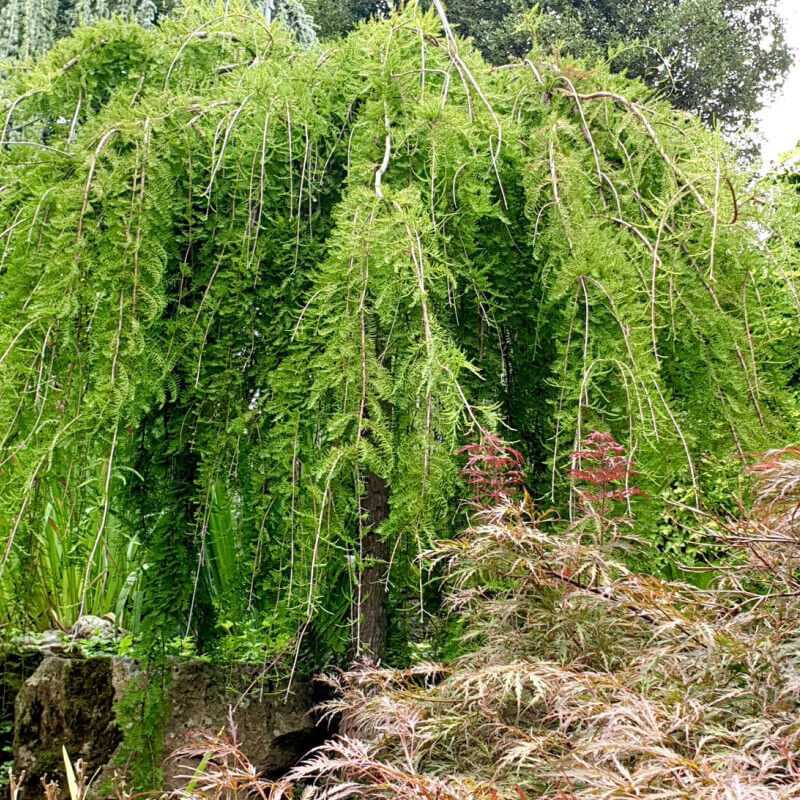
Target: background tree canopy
<point x="254" y="297"/>
<point x="339" y="17"/>
<point x="718" y="58"/>
<point x="31" y="28"/>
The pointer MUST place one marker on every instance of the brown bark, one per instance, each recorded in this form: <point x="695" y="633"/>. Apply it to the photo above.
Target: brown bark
<point x="371" y="619"/>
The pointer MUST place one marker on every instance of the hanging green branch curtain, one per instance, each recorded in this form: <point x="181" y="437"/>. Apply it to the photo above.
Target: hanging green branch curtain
<point x="238" y="278"/>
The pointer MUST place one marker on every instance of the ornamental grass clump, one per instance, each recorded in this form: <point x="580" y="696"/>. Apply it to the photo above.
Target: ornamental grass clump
<point x="585" y="680"/>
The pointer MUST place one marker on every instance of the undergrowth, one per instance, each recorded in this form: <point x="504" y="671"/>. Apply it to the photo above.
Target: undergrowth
<point x="584" y="679"/>
<point x="142" y="713"/>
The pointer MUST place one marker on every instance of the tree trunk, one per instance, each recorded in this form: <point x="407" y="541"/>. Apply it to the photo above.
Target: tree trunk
<point x="371" y="620"/>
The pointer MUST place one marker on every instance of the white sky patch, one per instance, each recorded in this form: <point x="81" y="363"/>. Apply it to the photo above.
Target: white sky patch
<point x="780" y="120"/>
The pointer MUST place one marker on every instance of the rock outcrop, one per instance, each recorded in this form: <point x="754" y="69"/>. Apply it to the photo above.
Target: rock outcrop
<point x="69" y="703"/>
<point x="73" y="702"/>
<point x="15" y="668"/>
<point x="274" y="730"/>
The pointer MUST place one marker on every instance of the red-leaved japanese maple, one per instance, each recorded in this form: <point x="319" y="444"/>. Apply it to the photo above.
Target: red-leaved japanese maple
<point x="494" y="471"/>
<point x="605" y="470"/>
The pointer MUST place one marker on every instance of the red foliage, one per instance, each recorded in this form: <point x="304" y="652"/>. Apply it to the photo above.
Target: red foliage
<point x="494" y="470"/>
<point x="601" y="462"/>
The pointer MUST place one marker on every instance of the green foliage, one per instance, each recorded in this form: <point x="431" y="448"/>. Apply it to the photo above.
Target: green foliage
<point x="688" y="549"/>
<point x="31" y="28"/>
<point x="141" y="713"/>
<point x="238" y="277"/>
<point x="718" y="58"/>
<point x="114" y="578"/>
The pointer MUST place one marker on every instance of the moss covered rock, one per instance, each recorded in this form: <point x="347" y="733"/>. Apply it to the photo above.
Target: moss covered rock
<point x="15" y="669"/>
<point x="122" y="720"/>
<point x="67" y="702"/>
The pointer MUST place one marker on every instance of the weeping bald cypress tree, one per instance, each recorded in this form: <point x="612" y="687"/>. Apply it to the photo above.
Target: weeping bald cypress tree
<point x="253" y="299"/>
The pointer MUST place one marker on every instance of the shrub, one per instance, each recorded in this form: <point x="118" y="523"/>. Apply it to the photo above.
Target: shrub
<point x="586" y="680"/>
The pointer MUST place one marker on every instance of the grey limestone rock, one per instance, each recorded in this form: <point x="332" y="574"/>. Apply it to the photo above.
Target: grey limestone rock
<point x="74" y="701"/>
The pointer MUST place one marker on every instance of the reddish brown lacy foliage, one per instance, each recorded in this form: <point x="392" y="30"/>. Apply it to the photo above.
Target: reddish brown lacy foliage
<point x="216" y="768"/>
<point x="602" y="464"/>
<point x="494" y="471"/>
<point x="585" y="680"/>
<point x="771" y="534"/>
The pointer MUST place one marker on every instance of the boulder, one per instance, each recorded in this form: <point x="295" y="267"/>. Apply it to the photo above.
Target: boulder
<point x="47" y="643"/>
<point x="73" y="702"/>
<point x="273" y="730"/>
<point x="15" y="669"/>
<point x="91" y="627"/>
<point x="67" y="702"/>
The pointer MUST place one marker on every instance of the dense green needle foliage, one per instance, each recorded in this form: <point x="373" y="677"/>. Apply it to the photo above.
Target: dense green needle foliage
<point x="239" y="277"/>
<point x="719" y="58"/>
